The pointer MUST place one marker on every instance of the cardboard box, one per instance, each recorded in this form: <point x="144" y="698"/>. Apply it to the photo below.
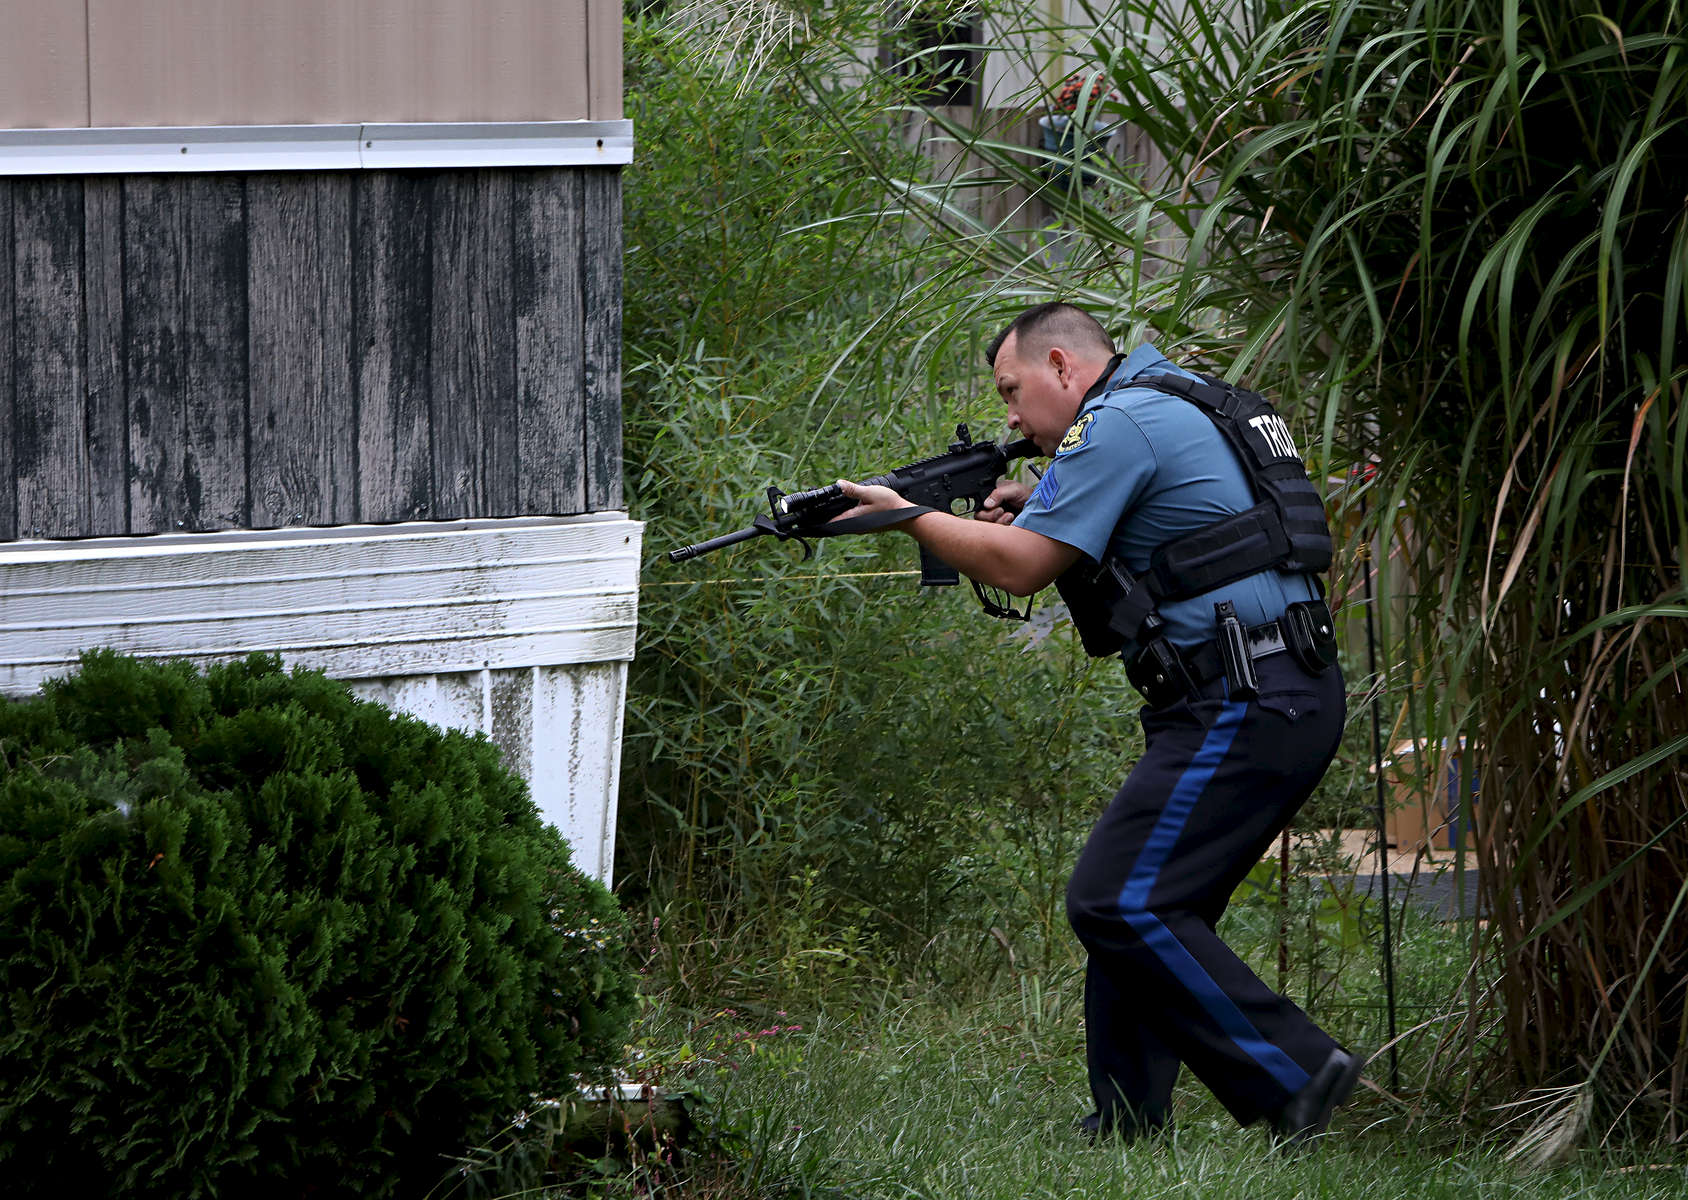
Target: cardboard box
<point x="1415" y="820"/>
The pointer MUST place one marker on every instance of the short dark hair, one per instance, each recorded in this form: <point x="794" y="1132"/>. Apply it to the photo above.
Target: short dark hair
<point x="1055" y="322"/>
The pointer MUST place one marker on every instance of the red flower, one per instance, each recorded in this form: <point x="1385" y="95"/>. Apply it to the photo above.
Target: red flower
<point x="1067" y="98"/>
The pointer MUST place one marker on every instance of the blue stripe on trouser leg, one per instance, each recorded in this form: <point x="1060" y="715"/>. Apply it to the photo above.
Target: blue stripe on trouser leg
<point x="1134" y="899"/>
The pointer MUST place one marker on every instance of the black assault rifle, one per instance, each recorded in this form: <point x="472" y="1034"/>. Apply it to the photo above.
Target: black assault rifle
<point x="956" y="481"/>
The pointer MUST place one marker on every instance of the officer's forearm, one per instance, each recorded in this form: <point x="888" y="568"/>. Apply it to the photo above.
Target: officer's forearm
<point x="1004" y="556"/>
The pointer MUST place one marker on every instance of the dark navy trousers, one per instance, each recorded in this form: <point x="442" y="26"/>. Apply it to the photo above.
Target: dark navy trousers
<point x="1218" y="781"/>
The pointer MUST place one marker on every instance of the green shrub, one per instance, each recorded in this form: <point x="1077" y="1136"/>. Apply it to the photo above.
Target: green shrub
<point x="257" y="936"/>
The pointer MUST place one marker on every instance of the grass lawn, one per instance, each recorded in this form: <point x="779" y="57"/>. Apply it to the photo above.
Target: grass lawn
<point x="920" y="1102"/>
<point x="935" y="1097"/>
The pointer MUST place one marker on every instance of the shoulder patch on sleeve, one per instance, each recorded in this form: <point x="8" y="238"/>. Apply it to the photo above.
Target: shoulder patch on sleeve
<point x="1078" y="433"/>
<point x="1047" y="489"/>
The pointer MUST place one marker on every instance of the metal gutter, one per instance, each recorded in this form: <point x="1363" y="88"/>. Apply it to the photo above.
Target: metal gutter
<point x="209" y="148"/>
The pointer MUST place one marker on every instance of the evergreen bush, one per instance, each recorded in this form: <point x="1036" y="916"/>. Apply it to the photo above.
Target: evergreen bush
<point x="258" y="937"/>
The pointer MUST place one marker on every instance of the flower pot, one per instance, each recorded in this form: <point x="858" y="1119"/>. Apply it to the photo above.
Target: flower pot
<point x="1060" y="138"/>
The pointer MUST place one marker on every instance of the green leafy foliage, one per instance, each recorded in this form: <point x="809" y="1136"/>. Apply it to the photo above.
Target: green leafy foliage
<point x="259" y="937"/>
<point x="1449" y="238"/>
<point x="826" y="771"/>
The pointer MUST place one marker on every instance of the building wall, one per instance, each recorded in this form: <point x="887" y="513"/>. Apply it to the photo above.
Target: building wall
<point x="1033" y="50"/>
<point x="227" y="351"/>
<point x="310" y="323"/>
<point x="284" y="62"/>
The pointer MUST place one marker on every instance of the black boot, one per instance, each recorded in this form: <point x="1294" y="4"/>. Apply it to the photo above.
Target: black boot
<point x="1121" y="1128"/>
<point x="1308" y="1112"/>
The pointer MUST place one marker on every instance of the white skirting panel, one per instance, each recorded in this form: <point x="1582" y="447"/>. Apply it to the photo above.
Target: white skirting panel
<point x="520" y="629"/>
<point x="558" y="727"/>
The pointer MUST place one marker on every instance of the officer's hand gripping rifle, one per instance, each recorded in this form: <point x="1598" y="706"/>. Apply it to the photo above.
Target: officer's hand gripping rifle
<point x="956" y="481"/>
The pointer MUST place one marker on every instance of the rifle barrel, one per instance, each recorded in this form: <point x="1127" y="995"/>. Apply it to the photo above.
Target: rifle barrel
<point x="713" y="544"/>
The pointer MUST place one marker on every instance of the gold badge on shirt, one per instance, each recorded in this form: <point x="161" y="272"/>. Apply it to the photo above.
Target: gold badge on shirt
<point x="1076" y="434"/>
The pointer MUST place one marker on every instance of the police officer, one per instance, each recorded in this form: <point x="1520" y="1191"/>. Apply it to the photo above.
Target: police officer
<point x="1178" y="523"/>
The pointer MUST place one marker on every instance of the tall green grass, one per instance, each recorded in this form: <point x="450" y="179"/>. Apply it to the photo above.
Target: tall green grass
<point x="833" y="781"/>
<point x="828" y="773"/>
<point x="1448" y="236"/>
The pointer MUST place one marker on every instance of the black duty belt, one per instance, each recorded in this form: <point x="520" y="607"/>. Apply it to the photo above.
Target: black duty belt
<point x="1166" y="674"/>
<point x="1206" y="663"/>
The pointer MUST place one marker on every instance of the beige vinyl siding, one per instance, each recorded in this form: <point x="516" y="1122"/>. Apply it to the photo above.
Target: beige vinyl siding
<point x="603" y="29"/>
<point x="43" y="64"/>
<point x="308" y="62"/>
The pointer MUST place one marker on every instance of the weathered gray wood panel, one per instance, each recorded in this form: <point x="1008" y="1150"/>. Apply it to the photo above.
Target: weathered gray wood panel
<point x="214" y="492"/>
<point x="8" y="456"/>
<point x="214" y="352"/>
<point x="549" y="315"/>
<point x="475" y="415"/>
<point x="601" y="276"/>
<point x="103" y="306"/>
<point x="392" y="283"/>
<point x="303" y="406"/>
<point x="50" y="422"/>
<point x="152" y="323"/>
<point x="185" y="321"/>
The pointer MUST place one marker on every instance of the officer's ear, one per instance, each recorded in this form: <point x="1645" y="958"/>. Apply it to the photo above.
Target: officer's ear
<point x="1061" y="363"/>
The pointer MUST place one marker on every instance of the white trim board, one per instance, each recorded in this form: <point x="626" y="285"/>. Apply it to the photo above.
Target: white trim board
<point x="210" y="148"/>
<point x="369" y="601"/>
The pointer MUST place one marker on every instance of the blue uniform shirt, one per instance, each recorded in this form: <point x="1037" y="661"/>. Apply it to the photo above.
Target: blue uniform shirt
<point x="1139" y="468"/>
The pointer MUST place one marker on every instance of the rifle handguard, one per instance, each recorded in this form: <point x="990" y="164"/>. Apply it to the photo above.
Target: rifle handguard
<point x="814" y="498"/>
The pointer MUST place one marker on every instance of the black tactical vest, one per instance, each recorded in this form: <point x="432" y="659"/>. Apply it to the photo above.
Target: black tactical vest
<point x="1285" y="530"/>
